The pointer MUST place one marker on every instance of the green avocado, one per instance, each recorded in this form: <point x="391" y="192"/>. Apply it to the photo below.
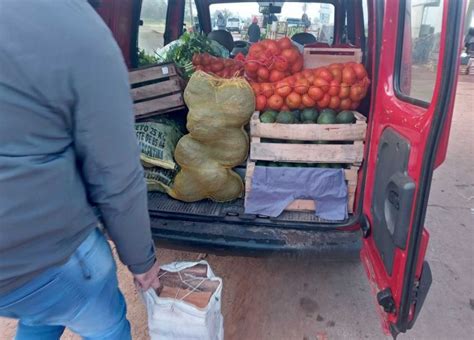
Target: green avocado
<point x="268" y="116"/>
<point x="285" y="117"/>
<point x="327" y="110"/>
<point x="327" y="117"/>
<point x="345" y="117"/>
<point x="309" y="115"/>
<point x="297" y="115"/>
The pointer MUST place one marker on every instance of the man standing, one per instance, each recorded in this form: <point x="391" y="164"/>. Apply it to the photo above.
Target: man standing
<point x="254" y="31"/>
<point x="221" y="22"/>
<point x="67" y="143"/>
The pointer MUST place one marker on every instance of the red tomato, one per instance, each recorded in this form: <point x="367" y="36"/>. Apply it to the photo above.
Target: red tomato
<point x="301" y="86"/>
<point x="272" y="46"/>
<point x="291" y="80"/>
<point x="324" y="102"/>
<point x="356" y="93"/>
<point x="336" y="73"/>
<point x="276" y="75"/>
<point x="307" y="73"/>
<point x="196" y="59"/>
<point x="291" y="54"/>
<point x="345" y="91"/>
<point x="334" y="102"/>
<point x="334" y="87"/>
<point x="307" y="100"/>
<point x="285" y="108"/>
<point x="263" y="73"/>
<point x="285" y="43"/>
<point x="315" y="93"/>
<point x="205" y="59"/>
<point x="283" y="88"/>
<point x="256" y="49"/>
<point x="323" y="84"/>
<point x="336" y="65"/>
<point x="256" y="88"/>
<point x="275" y="102"/>
<point x="281" y="64"/>
<point x="266" y="89"/>
<point x="217" y="66"/>
<point x="345" y="104"/>
<point x="297" y="65"/>
<point x="251" y="66"/>
<point x="360" y="71"/>
<point x="293" y="100"/>
<point x="348" y="75"/>
<point x="260" y="103"/>
<point x="228" y="63"/>
<point x="325" y="74"/>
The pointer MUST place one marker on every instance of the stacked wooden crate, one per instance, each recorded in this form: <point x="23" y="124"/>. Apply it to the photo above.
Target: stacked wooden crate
<point x="156" y="89"/>
<point x="346" y="147"/>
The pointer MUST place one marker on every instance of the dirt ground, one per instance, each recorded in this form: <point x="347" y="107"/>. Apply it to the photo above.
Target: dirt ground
<point x="302" y="297"/>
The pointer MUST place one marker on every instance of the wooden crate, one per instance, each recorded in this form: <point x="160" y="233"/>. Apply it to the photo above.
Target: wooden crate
<point x="348" y="153"/>
<point x="156" y="89"/>
<point x="323" y="56"/>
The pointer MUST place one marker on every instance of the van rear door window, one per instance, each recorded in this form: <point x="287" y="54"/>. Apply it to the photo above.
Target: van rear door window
<point x="421" y="22"/>
<point x="315" y="19"/>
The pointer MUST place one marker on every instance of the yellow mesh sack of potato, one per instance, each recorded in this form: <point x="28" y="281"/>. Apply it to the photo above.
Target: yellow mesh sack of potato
<point x="218" y="110"/>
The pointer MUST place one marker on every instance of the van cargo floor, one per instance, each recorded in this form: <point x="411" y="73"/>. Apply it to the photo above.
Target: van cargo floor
<point x="162" y="204"/>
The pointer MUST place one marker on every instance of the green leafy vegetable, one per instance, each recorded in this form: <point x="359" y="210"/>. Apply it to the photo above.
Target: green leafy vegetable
<point x="182" y="50"/>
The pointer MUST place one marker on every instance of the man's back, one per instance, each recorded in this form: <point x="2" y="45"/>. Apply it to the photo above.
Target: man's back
<point x="66" y="139"/>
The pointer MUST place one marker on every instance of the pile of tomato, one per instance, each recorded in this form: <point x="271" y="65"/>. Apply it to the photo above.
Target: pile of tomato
<point x="337" y="86"/>
<point x="272" y="60"/>
<point x="222" y="67"/>
<point x="274" y="68"/>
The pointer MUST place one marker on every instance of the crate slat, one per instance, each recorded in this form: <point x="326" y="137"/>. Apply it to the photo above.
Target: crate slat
<point x="151" y="73"/>
<point x="351" y="153"/>
<point x="323" y="56"/>
<point x="310" y="132"/>
<point x="307" y="153"/>
<point x="153" y="90"/>
<point x="159" y="104"/>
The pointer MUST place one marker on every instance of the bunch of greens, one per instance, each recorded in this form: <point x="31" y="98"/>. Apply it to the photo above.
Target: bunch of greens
<point x="145" y="59"/>
<point x="181" y="51"/>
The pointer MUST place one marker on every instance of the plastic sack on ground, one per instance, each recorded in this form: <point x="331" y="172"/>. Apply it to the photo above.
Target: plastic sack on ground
<point x="157" y="140"/>
<point x="217" y="142"/>
<point x="188" y="305"/>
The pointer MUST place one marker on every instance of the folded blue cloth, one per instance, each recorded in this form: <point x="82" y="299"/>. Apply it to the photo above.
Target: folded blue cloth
<point x="273" y="188"/>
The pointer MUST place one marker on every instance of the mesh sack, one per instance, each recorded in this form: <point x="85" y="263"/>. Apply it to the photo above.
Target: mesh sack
<point x="218" y="110"/>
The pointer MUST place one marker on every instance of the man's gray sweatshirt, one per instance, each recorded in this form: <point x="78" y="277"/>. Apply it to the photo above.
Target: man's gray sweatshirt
<point x="67" y="140"/>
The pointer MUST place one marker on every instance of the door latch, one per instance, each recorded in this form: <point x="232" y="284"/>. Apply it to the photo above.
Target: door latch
<point x="385" y="299"/>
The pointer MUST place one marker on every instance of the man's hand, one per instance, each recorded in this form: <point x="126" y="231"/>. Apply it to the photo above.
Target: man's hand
<point x="149" y="279"/>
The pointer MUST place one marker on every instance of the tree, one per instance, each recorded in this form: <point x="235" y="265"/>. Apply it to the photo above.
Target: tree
<point x="154" y="10"/>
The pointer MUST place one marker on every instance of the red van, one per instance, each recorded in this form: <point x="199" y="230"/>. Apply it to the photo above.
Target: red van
<point x="411" y="50"/>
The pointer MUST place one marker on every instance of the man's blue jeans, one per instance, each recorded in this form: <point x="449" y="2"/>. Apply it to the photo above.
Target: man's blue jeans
<point x="82" y="295"/>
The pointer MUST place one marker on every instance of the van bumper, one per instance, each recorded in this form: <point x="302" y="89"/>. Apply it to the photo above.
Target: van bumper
<point x="254" y="240"/>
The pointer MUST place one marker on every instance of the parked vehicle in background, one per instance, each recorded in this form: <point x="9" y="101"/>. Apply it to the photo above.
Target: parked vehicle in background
<point x="234" y="25"/>
<point x="294" y="22"/>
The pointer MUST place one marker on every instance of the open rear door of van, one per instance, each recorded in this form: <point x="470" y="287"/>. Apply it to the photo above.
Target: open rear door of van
<point x="415" y="73"/>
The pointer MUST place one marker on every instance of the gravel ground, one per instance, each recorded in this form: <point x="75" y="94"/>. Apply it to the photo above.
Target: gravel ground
<point x="301" y="297"/>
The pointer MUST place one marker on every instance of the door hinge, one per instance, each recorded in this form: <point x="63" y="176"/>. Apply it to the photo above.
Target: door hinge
<point x="365" y="226"/>
<point x="385" y="299"/>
